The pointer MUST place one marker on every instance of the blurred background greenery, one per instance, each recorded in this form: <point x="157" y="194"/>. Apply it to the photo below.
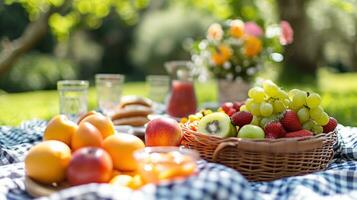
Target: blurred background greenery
<point x="74" y="39"/>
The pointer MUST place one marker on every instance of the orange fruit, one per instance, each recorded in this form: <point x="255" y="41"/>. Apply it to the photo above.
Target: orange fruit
<point x="60" y="128"/>
<point x="86" y="115"/>
<point x="47" y="161"/>
<point x="87" y="135"/>
<point x="121" y="148"/>
<point x="102" y="123"/>
<point x="133" y="182"/>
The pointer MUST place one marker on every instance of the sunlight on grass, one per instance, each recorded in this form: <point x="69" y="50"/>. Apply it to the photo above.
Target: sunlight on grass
<point x="329" y="82"/>
<point x="44" y="104"/>
<point x="17" y="107"/>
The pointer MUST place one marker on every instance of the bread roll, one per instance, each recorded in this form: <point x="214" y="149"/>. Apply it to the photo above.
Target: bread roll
<point x="132" y="111"/>
<point x="135" y="100"/>
<point x="131" y="121"/>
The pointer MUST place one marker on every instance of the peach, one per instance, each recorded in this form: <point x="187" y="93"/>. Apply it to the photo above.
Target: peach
<point x="86" y="135"/>
<point x="60" y="128"/>
<point x="102" y="123"/>
<point x="89" y="165"/>
<point x="163" y="132"/>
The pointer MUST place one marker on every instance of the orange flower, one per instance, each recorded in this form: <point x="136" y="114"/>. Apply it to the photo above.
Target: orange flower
<point x="215" y="32"/>
<point x="223" y="53"/>
<point x="252" y="46"/>
<point x="236" y="28"/>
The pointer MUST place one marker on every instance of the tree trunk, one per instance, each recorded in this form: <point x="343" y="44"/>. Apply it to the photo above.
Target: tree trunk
<point x="14" y="49"/>
<point x="301" y="57"/>
<point x="33" y="33"/>
<point x="353" y="56"/>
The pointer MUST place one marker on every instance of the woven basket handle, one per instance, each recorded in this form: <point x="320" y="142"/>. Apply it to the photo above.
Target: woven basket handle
<point x="277" y="146"/>
<point x="222" y="146"/>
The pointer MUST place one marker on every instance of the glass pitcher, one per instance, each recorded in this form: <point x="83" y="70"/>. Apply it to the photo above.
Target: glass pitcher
<point x="182" y="100"/>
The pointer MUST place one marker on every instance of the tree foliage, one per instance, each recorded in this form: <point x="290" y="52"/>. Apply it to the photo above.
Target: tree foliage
<point x="75" y="13"/>
<point x="160" y="37"/>
<point x="331" y="27"/>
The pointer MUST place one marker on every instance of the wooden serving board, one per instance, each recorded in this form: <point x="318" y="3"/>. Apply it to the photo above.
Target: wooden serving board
<point x="37" y="189"/>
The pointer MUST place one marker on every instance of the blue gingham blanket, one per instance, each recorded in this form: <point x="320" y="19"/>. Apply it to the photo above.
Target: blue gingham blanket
<point x="214" y="181"/>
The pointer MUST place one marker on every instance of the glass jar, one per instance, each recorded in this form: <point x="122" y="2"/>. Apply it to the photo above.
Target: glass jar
<point x="182" y="100"/>
<point x="157" y="164"/>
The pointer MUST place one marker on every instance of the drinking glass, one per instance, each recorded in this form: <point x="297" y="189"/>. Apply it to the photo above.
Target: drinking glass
<point x="73" y="98"/>
<point x="109" y="90"/>
<point x="158" y="87"/>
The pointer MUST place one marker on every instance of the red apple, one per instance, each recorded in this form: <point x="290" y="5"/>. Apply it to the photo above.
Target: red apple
<point x="163" y="132"/>
<point x="89" y="165"/>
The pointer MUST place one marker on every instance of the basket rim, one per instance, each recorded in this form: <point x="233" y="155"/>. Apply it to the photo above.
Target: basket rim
<point x="267" y="145"/>
<point x="270" y="140"/>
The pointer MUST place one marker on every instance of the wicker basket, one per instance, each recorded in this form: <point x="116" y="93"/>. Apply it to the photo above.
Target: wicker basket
<point x="264" y="160"/>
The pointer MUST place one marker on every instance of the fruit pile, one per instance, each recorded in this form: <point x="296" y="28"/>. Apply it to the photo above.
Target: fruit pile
<point x="91" y="152"/>
<point x="87" y="152"/>
<point x="269" y="112"/>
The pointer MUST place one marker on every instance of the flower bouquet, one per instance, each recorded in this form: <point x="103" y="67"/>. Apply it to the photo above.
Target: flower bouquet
<point x="236" y="50"/>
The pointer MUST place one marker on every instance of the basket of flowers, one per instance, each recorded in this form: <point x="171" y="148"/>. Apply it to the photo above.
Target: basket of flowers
<point x="235" y="51"/>
<point x="273" y="134"/>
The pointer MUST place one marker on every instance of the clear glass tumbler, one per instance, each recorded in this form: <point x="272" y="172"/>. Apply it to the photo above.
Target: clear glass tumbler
<point x="158" y="86"/>
<point x="73" y="98"/>
<point x="109" y="90"/>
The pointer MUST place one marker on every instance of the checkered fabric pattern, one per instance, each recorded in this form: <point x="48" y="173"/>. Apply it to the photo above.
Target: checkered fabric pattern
<point x="14" y="142"/>
<point x="214" y="181"/>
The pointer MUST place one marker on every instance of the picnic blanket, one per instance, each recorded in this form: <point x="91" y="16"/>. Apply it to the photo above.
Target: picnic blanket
<point x="214" y="181"/>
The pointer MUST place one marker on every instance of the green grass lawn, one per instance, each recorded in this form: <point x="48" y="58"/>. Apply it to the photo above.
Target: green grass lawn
<point x="339" y="93"/>
<point x="17" y="107"/>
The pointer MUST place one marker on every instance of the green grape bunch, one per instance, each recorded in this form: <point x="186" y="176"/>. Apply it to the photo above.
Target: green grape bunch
<point x="268" y="103"/>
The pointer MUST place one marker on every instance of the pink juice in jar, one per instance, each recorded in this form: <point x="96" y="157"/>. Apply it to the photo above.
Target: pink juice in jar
<point x="182" y="101"/>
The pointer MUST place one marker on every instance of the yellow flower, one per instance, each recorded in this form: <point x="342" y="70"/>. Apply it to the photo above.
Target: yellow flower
<point x="223" y="53"/>
<point x="236" y="28"/>
<point x="252" y="46"/>
<point x="215" y="32"/>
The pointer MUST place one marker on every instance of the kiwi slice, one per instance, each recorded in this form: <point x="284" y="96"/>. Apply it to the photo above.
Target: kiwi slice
<point x="217" y="124"/>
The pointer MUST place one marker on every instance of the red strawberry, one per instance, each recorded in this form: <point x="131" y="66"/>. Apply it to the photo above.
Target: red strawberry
<point x="330" y="126"/>
<point x="301" y="133"/>
<point x="274" y="130"/>
<point x="226" y="106"/>
<point x="290" y="121"/>
<point x="241" y="118"/>
<point x="237" y="105"/>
